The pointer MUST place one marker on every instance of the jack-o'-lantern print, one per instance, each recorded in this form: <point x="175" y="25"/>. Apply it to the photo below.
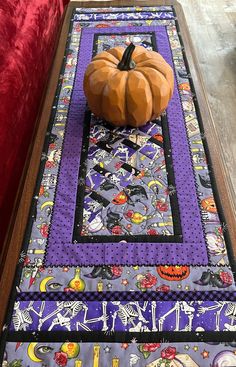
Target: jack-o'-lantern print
<point x="209" y="205"/>
<point x="173" y="272"/>
<point x="120" y="199"/>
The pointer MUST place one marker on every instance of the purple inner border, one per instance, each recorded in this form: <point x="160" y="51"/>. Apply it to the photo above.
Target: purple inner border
<point x="60" y="250"/>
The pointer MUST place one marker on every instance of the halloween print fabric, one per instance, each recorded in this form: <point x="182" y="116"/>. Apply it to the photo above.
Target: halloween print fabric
<point x="119" y="198"/>
<point x="126" y="259"/>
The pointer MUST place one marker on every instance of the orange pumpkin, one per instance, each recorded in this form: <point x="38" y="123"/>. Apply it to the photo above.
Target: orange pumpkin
<point x="173" y="272"/>
<point x="209" y="205"/>
<point x="128" y="86"/>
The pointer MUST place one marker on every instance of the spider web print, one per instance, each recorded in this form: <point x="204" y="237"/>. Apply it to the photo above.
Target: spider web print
<point x="126" y="259"/>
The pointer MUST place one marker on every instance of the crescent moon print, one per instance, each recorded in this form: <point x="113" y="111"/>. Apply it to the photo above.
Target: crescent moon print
<point x="31" y="353"/>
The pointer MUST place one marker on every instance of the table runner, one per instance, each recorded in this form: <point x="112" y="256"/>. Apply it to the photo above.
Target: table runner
<point x="126" y="259"/>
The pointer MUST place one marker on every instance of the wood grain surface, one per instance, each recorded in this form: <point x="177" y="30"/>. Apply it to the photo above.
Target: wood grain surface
<point x="212" y="26"/>
<point x="216" y="67"/>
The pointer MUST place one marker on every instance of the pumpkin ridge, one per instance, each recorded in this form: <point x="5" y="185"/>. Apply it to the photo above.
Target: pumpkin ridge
<point x="105" y="66"/>
<point x="126" y="107"/>
<point x="140" y="71"/>
<point x="167" y="80"/>
<point x="114" y="55"/>
<point x="101" y="94"/>
<point x="94" y="71"/>
<point x="113" y="65"/>
<point x="141" y="103"/>
<point x="162" y="81"/>
<point x="101" y="101"/>
<point x="152" y="67"/>
<point x="104" y="56"/>
<point x="137" y="53"/>
<point x="106" y="82"/>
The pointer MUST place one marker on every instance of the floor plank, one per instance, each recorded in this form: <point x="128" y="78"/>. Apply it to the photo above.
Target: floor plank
<point x="214" y="43"/>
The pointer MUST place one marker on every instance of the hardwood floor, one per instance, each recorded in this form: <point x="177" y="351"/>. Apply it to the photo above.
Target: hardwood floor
<point x="212" y="25"/>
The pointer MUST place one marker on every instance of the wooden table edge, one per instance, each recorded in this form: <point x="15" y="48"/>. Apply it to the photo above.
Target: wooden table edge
<point x="222" y="178"/>
<point x="223" y="181"/>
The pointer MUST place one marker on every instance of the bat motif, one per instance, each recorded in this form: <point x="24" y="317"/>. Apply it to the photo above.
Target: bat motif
<point x="107" y="185"/>
<point x="136" y="190"/>
<point x="183" y="74"/>
<point x="210" y="278"/>
<point x="103" y="272"/>
<point x="52" y="138"/>
<point x="205" y="181"/>
<point x="113" y="219"/>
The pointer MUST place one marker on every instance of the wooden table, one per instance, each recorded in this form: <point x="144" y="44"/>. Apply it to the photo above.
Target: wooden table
<point x="224" y="185"/>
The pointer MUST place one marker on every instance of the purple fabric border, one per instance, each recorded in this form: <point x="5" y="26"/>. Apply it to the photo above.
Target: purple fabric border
<point x="189" y="296"/>
<point x="60" y="250"/>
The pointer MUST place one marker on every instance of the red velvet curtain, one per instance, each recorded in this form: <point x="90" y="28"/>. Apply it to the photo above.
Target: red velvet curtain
<point x="28" y="30"/>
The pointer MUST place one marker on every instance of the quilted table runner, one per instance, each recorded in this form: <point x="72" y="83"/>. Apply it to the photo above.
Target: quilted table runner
<point x="126" y="259"/>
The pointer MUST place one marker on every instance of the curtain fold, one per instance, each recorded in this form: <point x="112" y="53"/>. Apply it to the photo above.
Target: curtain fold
<point x="28" y="31"/>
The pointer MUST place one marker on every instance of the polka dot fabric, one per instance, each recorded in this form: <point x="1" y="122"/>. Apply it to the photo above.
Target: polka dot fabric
<point x="191" y="251"/>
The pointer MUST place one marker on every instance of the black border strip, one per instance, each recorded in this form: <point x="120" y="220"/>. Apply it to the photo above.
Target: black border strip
<point x="122" y="336"/>
<point x="228" y="242"/>
<point x="97" y="35"/>
<point x="78" y="220"/>
<point x="174" y="204"/>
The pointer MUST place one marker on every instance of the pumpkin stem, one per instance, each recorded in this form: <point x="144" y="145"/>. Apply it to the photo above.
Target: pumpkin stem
<point x="126" y="63"/>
